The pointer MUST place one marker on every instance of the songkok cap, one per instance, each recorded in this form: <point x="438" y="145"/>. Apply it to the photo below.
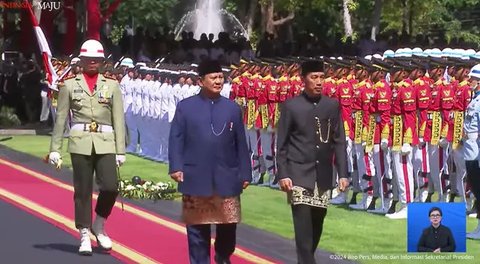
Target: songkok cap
<point x="312" y="66"/>
<point x="208" y="66"/>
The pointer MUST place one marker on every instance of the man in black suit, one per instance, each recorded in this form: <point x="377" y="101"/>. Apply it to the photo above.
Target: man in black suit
<point x="310" y="134"/>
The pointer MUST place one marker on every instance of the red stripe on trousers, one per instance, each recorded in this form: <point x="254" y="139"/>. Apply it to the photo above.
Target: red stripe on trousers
<point x="440" y="166"/>
<point x="259" y="144"/>
<point x="424" y="159"/>
<point x="405" y="178"/>
<point x="382" y="171"/>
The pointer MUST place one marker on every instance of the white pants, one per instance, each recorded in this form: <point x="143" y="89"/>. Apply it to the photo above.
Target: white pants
<point x="404" y="173"/>
<point x="164" y="132"/>
<point x="383" y="175"/>
<point x="461" y="172"/>
<point x="45" y="107"/>
<point x="131" y="121"/>
<point x="255" y="145"/>
<point x="350" y="154"/>
<point x="267" y="140"/>
<point x="437" y="163"/>
<point x="421" y="167"/>
<point x="365" y="168"/>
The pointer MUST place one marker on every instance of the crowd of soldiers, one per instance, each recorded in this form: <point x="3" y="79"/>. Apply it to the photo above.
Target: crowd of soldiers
<point x="403" y="115"/>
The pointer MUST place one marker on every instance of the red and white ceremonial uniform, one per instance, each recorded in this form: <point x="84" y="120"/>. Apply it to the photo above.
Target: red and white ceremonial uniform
<point x="421" y="164"/>
<point x="432" y="135"/>
<point x="379" y="122"/>
<point x="404" y="137"/>
<point x="463" y="95"/>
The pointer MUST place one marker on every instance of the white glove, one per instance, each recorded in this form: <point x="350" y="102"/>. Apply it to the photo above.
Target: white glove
<point x="120" y="159"/>
<point x="443" y="143"/>
<point x="384" y="144"/>
<point x="364" y="144"/>
<point x="421" y="142"/>
<point x="55" y="159"/>
<point x="406" y="149"/>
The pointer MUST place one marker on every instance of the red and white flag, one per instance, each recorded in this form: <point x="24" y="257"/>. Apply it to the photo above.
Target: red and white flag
<point x="52" y="76"/>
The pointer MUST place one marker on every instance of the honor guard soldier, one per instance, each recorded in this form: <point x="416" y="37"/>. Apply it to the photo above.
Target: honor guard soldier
<point x="209" y="159"/>
<point x="404" y="134"/>
<point x="96" y="143"/>
<point x="433" y="130"/>
<point x="471" y="144"/>
<point x="310" y="133"/>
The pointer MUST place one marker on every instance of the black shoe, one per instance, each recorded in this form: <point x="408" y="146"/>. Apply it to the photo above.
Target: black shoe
<point x="371" y="206"/>
<point x="392" y="208"/>
<point x="220" y="260"/>
<point x="354" y="198"/>
<point x="429" y="198"/>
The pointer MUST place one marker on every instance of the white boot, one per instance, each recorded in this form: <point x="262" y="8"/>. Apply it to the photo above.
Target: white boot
<point x="98" y="230"/>
<point x="341" y="198"/>
<point x="366" y="199"/>
<point x="475" y="234"/>
<point x="385" y="205"/>
<point x="85" y="244"/>
<point x="401" y="214"/>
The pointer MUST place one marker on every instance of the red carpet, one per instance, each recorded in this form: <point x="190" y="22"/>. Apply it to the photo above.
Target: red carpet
<point x="158" y="242"/>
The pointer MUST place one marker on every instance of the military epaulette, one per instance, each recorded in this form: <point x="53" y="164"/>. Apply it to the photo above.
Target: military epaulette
<point x="283" y="79"/>
<point x="266" y="78"/>
<point x="68" y="77"/>
<point x="419" y="82"/>
<point x="109" y="77"/>
<point x="236" y="80"/>
<point x="464" y="83"/>
<point x="379" y="84"/>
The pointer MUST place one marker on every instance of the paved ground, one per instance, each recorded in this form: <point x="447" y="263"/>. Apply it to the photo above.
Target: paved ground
<point x="28" y="239"/>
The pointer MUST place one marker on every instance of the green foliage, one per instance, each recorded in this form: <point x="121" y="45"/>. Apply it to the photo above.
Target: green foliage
<point x="145" y="13"/>
<point x="148" y="190"/>
<point x="8" y="118"/>
<point x="116" y="34"/>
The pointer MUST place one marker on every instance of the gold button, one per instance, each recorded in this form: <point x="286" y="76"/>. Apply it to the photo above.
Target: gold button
<point x="317" y="161"/>
<point x="318" y="146"/>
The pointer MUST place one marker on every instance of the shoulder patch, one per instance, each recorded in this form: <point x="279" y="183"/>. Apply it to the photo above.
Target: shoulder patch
<point x="68" y="77"/>
<point x="109" y="77"/>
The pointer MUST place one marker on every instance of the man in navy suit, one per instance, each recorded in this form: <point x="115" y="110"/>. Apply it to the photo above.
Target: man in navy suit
<point x="208" y="157"/>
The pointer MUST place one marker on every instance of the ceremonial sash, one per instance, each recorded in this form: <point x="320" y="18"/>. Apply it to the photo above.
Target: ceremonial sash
<point x="358" y="127"/>
<point x="371" y="134"/>
<point x="457" y="129"/>
<point x="263" y="111"/>
<point x="436" y="128"/>
<point x="346" y="128"/>
<point x="251" y="114"/>
<point x="397" y="132"/>
<point x="276" y="116"/>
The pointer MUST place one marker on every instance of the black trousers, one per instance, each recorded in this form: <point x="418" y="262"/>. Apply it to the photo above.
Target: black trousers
<point x="473" y="180"/>
<point x="199" y="242"/>
<point x="105" y="170"/>
<point x="308" y="226"/>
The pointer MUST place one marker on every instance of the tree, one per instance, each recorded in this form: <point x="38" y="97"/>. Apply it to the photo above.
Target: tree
<point x="269" y="23"/>
<point x="347" y="20"/>
<point x="377" y="12"/>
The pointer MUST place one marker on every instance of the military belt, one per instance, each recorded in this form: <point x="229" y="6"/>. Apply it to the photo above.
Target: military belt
<point x="93" y="127"/>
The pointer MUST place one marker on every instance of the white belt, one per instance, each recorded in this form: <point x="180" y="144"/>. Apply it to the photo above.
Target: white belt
<point x="92" y="127"/>
<point x="472" y="136"/>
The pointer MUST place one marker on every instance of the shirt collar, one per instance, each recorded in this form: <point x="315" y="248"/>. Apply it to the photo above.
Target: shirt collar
<point x="205" y="98"/>
<point x="312" y="99"/>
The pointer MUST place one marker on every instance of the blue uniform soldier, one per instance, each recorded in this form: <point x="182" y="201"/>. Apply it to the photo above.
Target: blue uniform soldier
<point x="208" y="157"/>
<point x="470" y="145"/>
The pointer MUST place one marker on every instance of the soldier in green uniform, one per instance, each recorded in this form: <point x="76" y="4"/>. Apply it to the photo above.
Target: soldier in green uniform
<point x="96" y="142"/>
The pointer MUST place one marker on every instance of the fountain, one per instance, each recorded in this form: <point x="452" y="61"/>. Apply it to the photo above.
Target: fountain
<point x="208" y="18"/>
